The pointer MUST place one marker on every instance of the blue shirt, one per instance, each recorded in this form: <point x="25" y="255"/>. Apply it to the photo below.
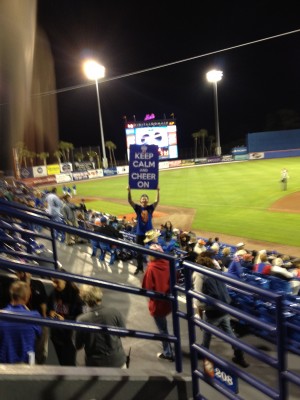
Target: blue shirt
<point x="17" y="338"/>
<point x="144" y="218"/>
<point x="235" y="268"/>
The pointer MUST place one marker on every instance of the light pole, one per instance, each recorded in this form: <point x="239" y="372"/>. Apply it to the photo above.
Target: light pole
<point x="95" y="71"/>
<point x="214" y="77"/>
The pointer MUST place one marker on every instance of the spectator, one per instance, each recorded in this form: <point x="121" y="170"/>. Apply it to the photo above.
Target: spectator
<point x="54" y="206"/>
<point x="239" y="262"/>
<point x="184" y="239"/>
<point x="215" y="316"/>
<point x="168" y="231"/>
<point x="217" y="242"/>
<point x="69" y="214"/>
<point x="199" y="246"/>
<point x="83" y="208"/>
<point x="225" y="258"/>
<point x="209" y="242"/>
<point x="18" y="338"/>
<point x="151" y="237"/>
<point x="197" y="281"/>
<point x="212" y="255"/>
<point x="64" y="303"/>
<point x="144" y="212"/>
<point x="240" y="247"/>
<point x="157" y="278"/>
<point x="295" y="269"/>
<point x="101" y="349"/>
<point x="37" y="301"/>
<point x="264" y="266"/>
<point x="247" y="262"/>
<point x="257" y="258"/>
<point x="102" y="227"/>
<point x="279" y="270"/>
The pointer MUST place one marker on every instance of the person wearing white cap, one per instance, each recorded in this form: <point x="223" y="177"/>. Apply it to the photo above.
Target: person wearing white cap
<point x="240" y="249"/>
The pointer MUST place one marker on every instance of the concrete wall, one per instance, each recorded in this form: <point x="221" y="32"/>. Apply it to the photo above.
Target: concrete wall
<point x="22" y="382"/>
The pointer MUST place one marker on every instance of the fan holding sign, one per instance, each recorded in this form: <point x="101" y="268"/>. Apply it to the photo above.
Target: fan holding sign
<point x="143" y="173"/>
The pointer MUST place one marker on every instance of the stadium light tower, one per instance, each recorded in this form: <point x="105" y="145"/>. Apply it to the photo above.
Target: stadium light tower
<point x="95" y="71"/>
<point x="214" y="77"/>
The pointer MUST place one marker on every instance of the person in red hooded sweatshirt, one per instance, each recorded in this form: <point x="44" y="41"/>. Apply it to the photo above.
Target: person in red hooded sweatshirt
<point x="157" y="278"/>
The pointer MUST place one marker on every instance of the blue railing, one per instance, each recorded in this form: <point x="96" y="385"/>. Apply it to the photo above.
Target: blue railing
<point x="278" y="329"/>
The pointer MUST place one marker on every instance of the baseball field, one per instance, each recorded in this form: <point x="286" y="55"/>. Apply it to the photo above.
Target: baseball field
<point x="241" y="199"/>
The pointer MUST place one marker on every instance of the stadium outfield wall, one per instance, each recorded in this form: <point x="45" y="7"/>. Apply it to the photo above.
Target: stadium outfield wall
<point x="285" y="140"/>
<point x="64" y="172"/>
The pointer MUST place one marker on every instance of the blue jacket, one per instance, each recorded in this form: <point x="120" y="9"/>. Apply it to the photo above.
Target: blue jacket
<point x="18" y="338"/>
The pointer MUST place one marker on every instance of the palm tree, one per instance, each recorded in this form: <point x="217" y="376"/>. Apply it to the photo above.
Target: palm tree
<point x="65" y="148"/>
<point x="203" y="135"/>
<point x="58" y="154"/>
<point x="212" y="144"/>
<point x="196" y="136"/>
<point x="32" y="155"/>
<point x="26" y="155"/>
<point x="43" y="157"/>
<point x="21" y="151"/>
<point x="79" y="156"/>
<point x="111" y="148"/>
<point x="93" y="154"/>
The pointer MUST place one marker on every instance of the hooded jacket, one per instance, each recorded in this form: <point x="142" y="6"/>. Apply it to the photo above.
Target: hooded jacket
<point x="157" y="278"/>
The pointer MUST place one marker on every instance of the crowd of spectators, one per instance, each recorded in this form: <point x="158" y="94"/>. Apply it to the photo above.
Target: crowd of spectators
<point x="65" y="301"/>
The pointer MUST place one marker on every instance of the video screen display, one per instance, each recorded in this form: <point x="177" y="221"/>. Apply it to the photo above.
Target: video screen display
<point x="161" y="133"/>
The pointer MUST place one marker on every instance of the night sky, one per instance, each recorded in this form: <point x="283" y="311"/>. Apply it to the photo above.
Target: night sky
<point x="259" y="79"/>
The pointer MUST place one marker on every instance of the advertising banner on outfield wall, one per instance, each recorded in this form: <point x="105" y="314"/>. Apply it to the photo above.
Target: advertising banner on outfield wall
<point x="45" y="180"/>
<point x="240" y="157"/>
<point x="123" y="170"/>
<point x="202" y="160"/>
<point x="175" y="163"/>
<point x="226" y="158"/>
<point x="84" y="165"/>
<point x="64" y="178"/>
<point x="26" y="172"/>
<point x="256" y="156"/>
<point x="66" y="167"/>
<point x="95" y="173"/>
<point x="41" y="170"/>
<point x="79" y="176"/>
<point x="53" y="169"/>
<point x="110" y="171"/>
<point x="185" y="163"/>
<point x="163" y="165"/>
<point x="213" y="159"/>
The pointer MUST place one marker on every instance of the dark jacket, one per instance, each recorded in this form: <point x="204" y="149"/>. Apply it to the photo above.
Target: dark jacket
<point x="218" y="290"/>
<point x="108" y="230"/>
<point x="101" y="349"/>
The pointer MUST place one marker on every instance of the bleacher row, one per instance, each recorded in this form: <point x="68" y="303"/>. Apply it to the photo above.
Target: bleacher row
<point x="261" y="308"/>
<point x="20" y="241"/>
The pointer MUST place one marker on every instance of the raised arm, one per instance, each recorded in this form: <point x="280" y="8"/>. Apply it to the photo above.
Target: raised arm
<point x="129" y="197"/>
<point x="157" y="198"/>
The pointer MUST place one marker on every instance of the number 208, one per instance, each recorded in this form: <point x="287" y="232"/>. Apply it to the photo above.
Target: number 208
<point x="223" y="376"/>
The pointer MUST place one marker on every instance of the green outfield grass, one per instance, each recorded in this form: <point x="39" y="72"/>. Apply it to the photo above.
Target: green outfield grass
<point x="233" y="198"/>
